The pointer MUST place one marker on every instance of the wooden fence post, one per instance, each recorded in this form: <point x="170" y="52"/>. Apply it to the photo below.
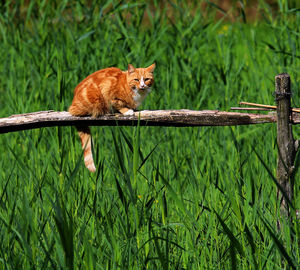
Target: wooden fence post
<point x="287" y="146"/>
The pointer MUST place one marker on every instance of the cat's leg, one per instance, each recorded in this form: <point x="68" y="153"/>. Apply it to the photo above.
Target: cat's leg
<point x="126" y="111"/>
<point x="120" y="106"/>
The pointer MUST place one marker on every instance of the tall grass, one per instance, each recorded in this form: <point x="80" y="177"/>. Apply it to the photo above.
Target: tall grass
<point x="162" y="198"/>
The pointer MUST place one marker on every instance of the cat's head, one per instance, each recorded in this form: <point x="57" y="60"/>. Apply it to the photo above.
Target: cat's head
<point x="140" y="78"/>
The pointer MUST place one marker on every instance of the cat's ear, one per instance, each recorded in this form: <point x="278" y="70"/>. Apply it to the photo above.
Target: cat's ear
<point x="131" y="68"/>
<point x="151" y="68"/>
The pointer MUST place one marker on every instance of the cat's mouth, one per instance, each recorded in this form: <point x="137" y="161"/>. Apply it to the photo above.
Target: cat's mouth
<point x="142" y="89"/>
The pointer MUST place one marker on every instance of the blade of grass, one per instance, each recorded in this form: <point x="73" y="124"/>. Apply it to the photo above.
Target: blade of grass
<point x="64" y="225"/>
<point x="279" y="245"/>
<point x="234" y="242"/>
<point x="274" y="179"/>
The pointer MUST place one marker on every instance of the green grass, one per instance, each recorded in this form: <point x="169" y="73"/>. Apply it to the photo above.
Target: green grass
<point x="162" y="198"/>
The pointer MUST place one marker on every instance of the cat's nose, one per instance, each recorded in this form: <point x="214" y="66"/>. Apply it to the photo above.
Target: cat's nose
<point x="142" y="83"/>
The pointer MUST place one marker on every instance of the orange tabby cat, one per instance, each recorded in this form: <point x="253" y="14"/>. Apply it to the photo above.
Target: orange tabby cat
<point x="105" y="91"/>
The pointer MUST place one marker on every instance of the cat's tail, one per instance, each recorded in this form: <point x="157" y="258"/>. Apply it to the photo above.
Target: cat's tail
<point x="86" y="142"/>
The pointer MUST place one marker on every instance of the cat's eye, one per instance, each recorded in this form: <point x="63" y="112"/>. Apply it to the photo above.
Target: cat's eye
<point x="147" y="79"/>
<point x="137" y="80"/>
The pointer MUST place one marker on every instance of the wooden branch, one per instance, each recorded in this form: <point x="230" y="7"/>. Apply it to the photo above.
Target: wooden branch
<point x="270" y="107"/>
<point x="258" y="105"/>
<point x="182" y="118"/>
<point x="250" y="109"/>
<point x="176" y="118"/>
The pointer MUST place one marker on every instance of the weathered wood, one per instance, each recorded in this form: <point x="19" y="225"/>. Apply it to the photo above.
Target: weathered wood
<point x="147" y="118"/>
<point x="250" y="109"/>
<point x="271" y="107"/>
<point x="287" y="146"/>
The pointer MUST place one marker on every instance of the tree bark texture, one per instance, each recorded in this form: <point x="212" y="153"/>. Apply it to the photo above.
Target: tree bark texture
<point x="287" y="146"/>
<point x="181" y="118"/>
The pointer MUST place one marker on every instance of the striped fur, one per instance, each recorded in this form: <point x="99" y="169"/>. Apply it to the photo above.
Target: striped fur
<point x="86" y="143"/>
<point x="105" y="91"/>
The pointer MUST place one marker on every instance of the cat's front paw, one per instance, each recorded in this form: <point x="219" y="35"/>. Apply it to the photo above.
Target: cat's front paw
<point x="129" y="112"/>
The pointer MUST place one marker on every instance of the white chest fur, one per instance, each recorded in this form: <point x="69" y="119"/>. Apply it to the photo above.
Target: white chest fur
<point x="139" y="95"/>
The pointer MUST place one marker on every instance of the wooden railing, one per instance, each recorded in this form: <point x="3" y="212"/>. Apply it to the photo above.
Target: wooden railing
<point x="284" y="117"/>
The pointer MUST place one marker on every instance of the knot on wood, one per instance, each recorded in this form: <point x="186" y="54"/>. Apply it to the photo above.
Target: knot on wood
<point x="282" y="95"/>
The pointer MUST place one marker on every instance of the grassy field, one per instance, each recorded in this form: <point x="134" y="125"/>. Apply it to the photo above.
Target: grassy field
<point x="162" y="198"/>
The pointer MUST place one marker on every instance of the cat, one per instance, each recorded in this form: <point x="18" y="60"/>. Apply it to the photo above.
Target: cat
<point x="109" y="90"/>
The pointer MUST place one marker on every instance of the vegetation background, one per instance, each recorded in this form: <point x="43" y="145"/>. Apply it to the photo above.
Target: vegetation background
<point x="162" y="198"/>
